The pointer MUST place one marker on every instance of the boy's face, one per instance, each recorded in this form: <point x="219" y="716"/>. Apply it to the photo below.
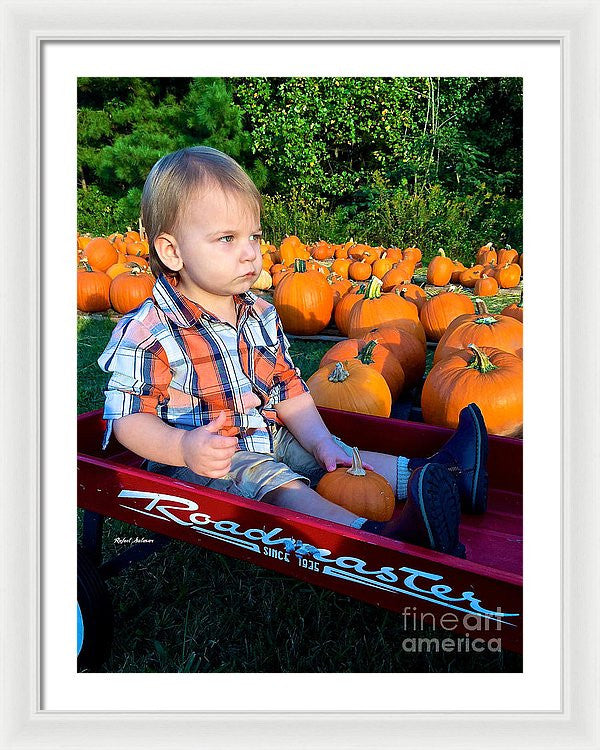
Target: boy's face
<point x="217" y="248"/>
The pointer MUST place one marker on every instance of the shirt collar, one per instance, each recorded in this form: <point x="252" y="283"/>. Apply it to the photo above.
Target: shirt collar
<point x="186" y="313"/>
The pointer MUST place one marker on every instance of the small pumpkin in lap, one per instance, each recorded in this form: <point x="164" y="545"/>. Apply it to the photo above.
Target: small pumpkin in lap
<point x="365" y="493"/>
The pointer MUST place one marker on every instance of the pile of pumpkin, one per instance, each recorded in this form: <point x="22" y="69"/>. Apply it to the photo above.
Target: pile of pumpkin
<point x="493" y="270"/>
<point x="113" y="272"/>
<point x="308" y="304"/>
<point x="478" y="356"/>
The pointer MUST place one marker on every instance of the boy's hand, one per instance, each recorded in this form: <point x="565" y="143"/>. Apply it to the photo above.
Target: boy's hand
<point x="206" y="452"/>
<point x="330" y="455"/>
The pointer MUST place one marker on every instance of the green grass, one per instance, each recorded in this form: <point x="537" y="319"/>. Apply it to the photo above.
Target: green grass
<point x="187" y="609"/>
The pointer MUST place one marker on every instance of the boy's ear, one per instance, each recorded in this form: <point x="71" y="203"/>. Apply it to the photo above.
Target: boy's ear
<point x="167" y="250"/>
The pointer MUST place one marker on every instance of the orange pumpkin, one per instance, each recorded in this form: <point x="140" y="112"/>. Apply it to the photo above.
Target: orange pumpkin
<point x="342" y="309"/>
<point x="341" y="266"/>
<point x="279" y="273"/>
<point x="92" y="289"/>
<point x="369" y="353"/>
<point x="415" y="328"/>
<point x="359" y="270"/>
<point x="83" y="241"/>
<point x="507" y="255"/>
<point x="438" y="312"/>
<point x="137" y="259"/>
<point x="351" y="386"/>
<point x="487" y="254"/>
<point x="508" y="275"/>
<point x="375" y="309"/>
<point x="370" y="255"/>
<point x="381" y="266"/>
<point x="394" y="254"/>
<point x="322" y="250"/>
<point x="304" y="300"/>
<point x="413" y="254"/>
<point x="339" y="287"/>
<point x="411" y="292"/>
<point x="129" y="290"/>
<point x="100" y="254"/>
<point x="488" y="377"/>
<point x="439" y="271"/>
<point x="470" y="275"/>
<point x="486" y="286"/>
<point x="489" y="270"/>
<point x="514" y="311"/>
<point x="407" y="349"/>
<point x="290" y="249"/>
<point x="357" y="251"/>
<point x="122" y="267"/>
<point x="401" y="273"/>
<point x="136" y="248"/>
<point x="482" y="329"/>
<point x="364" y="493"/>
<point x="457" y="269"/>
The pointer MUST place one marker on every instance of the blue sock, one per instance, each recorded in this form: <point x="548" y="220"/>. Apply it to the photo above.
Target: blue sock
<point x="402" y="476"/>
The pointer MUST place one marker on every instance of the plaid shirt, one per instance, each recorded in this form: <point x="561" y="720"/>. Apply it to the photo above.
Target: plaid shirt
<point x="172" y="358"/>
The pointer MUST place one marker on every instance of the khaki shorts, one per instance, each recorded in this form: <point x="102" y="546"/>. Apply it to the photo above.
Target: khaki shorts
<point x="253" y="475"/>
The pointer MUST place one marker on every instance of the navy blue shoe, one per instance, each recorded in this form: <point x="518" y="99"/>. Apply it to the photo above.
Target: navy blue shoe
<point x="465" y="456"/>
<point x="431" y="514"/>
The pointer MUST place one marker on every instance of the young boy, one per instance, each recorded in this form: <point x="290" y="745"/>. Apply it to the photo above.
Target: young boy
<point x="204" y="388"/>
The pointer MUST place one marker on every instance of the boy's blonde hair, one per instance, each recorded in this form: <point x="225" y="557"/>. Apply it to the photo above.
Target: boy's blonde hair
<point x="175" y="179"/>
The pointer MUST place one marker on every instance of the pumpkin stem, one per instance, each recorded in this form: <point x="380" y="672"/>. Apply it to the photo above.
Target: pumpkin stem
<point x="299" y="265"/>
<point x="480" y="307"/>
<point x="365" y="355"/>
<point x="356" y="470"/>
<point x="85" y="263"/>
<point x="481" y="361"/>
<point x="441" y="252"/>
<point x="373" y="288"/>
<point x="338" y="374"/>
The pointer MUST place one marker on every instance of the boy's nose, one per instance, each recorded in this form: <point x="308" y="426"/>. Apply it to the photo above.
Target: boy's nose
<point x="249" y="251"/>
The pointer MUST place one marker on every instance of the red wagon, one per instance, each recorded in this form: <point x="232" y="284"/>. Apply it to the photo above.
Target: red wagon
<point x="480" y="596"/>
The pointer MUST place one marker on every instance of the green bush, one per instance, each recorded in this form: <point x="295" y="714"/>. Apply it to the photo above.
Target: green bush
<point x="396" y="218"/>
<point x="98" y="214"/>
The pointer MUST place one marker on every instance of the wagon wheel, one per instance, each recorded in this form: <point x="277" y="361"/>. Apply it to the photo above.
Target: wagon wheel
<point x="94" y="615"/>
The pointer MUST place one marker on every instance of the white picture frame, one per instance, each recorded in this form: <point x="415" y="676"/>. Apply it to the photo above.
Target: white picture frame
<point x="26" y="25"/>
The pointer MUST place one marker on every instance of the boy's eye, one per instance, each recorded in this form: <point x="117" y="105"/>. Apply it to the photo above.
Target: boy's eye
<point x="227" y="238"/>
<point x="256" y="237"/>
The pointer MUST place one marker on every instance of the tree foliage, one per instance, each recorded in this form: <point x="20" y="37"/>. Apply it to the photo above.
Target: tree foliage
<point x="363" y="150"/>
